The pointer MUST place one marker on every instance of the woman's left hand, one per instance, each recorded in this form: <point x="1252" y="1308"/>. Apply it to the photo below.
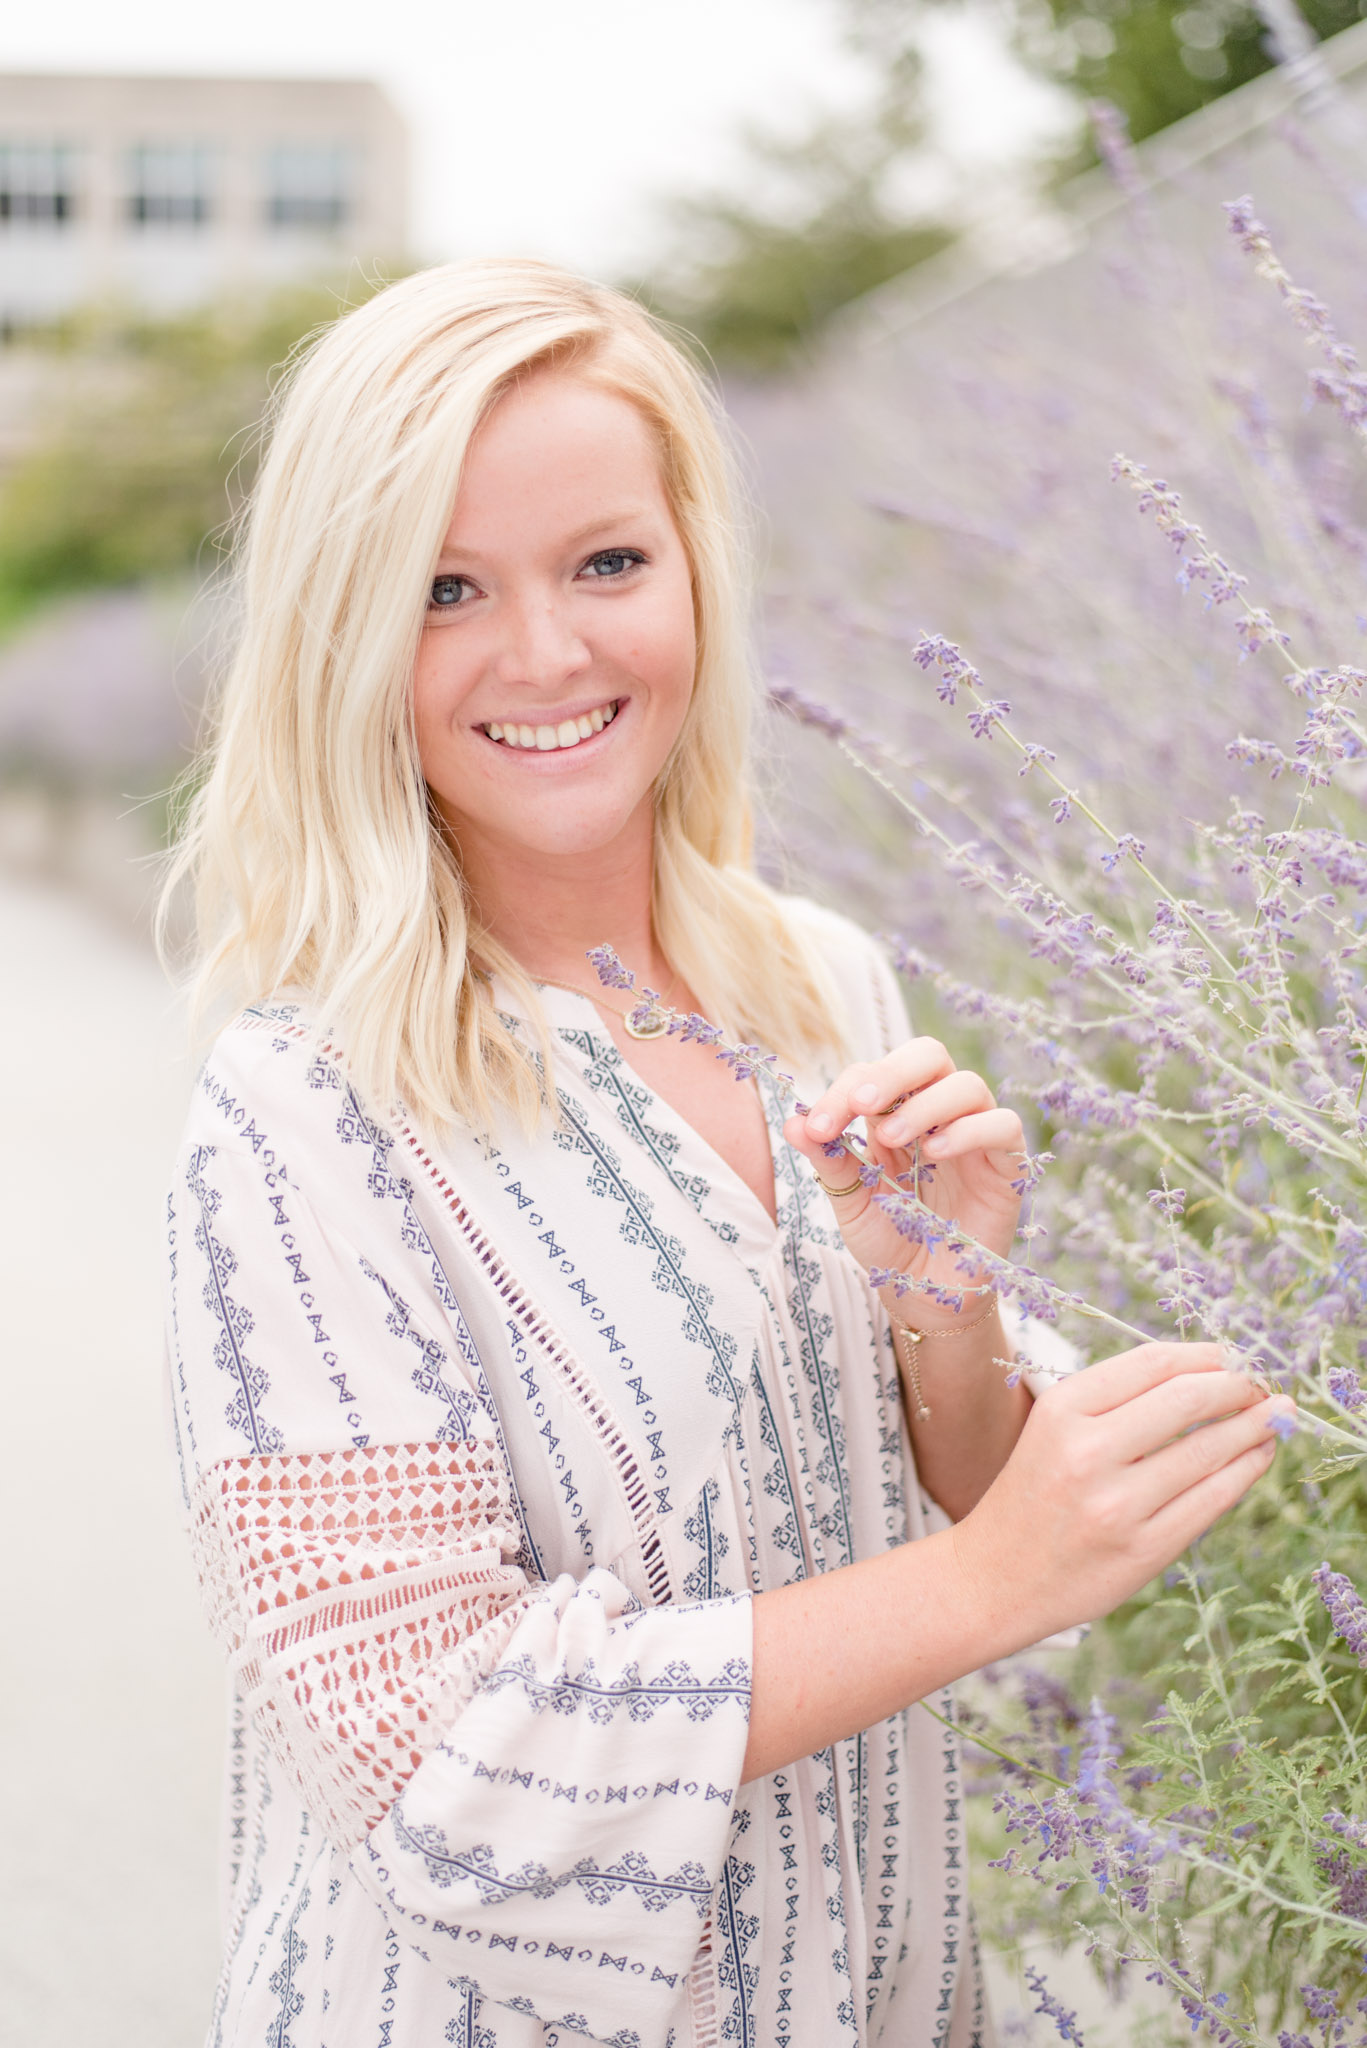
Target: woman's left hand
<point x="976" y="1150"/>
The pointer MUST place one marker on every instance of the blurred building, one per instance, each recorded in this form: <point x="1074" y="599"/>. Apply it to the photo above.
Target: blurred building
<point x="173" y="191"/>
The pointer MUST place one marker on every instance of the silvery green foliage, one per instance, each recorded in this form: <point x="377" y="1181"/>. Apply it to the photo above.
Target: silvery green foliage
<point x="1127" y="872"/>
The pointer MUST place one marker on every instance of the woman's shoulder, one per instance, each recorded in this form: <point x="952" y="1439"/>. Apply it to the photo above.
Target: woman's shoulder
<point x="858" y="971"/>
<point x="267" y="1081"/>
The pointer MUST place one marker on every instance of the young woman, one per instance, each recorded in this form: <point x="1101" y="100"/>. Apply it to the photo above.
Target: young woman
<point x="578" y="1558"/>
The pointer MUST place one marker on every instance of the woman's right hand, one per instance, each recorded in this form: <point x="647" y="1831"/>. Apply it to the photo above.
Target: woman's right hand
<point x="1111" y="1480"/>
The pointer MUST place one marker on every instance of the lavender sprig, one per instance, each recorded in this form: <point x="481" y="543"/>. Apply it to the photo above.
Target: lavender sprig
<point x="1343" y="384"/>
<point x="1064" y="2021"/>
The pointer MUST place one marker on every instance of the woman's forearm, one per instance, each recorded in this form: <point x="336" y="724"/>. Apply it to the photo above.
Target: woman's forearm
<point x="840" y="1652"/>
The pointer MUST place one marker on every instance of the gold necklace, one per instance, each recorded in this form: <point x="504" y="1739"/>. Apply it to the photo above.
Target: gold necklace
<point x="654" y="1026"/>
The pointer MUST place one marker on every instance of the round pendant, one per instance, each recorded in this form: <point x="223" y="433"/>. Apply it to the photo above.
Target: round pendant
<point x="654" y="1027"/>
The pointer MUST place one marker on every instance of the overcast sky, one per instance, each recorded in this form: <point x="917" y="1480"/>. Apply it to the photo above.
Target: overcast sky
<point x="544" y="127"/>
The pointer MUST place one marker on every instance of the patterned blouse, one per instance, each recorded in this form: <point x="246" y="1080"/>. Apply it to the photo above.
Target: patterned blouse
<point x="485" y="1446"/>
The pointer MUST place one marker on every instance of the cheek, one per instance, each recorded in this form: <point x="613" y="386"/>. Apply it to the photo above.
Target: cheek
<point x="437" y="693"/>
<point x="666" y="650"/>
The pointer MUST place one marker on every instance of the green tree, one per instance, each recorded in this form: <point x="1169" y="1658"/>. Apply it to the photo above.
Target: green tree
<point x="143" y="459"/>
<point x="1158" y="60"/>
<point x="755" y="274"/>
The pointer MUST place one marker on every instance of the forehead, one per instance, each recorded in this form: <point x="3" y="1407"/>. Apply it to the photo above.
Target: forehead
<point x="556" y="448"/>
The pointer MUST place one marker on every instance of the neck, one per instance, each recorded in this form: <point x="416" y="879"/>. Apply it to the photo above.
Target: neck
<point x="547" y="910"/>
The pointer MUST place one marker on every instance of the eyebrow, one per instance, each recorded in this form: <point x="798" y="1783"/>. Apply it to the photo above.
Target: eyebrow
<point x="605" y="524"/>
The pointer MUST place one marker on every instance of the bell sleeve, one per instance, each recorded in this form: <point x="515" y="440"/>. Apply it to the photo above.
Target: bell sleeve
<point x="534" y="1779"/>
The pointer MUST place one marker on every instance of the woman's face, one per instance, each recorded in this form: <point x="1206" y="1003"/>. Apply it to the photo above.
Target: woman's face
<point x="557" y="657"/>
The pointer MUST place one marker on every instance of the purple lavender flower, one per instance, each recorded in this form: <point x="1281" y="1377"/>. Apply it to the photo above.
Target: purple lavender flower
<point x="1125" y="845"/>
<point x="1111" y="133"/>
<point x="984" y="716"/>
<point x="1346" y="1872"/>
<point x="1065" y="2022"/>
<point x="698" y="1029"/>
<point x="933" y="650"/>
<point x="1346" y="1388"/>
<point x="1342" y="384"/>
<point x="1321" y="2005"/>
<point x="1032" y="1172"/>
<point x="1199" y="562"/>
<point x="1202" y="2007"/>
<point x="1346" y="1610"/>
<point x="609" y="968"/>
<point x="1259" y="629"/>
<point x="806" y="710"/>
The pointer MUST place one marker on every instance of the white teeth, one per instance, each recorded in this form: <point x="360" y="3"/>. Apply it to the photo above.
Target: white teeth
<point x="549" y="739"/>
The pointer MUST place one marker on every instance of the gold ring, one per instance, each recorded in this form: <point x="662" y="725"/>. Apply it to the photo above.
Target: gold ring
<point x="826" y="1188"/>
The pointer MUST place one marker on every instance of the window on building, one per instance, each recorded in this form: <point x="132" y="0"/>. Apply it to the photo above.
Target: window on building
<point x="171" y="181"/>
<point x="36" y="182"/>
<point x="309" y="185"/>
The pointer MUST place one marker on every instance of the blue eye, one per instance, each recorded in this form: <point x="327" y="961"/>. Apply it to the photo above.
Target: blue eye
<point x="610" y="562"/>
<point x="446" y="593"/>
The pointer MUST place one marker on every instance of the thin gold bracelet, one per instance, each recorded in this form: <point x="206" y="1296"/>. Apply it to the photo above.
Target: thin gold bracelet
<point x="916" y="1338"/>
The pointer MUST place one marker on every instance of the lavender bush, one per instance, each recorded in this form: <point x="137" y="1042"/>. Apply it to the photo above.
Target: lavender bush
<point x="1179" y="1000"/>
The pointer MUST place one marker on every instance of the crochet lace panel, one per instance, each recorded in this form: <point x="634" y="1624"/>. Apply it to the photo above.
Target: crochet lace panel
<point x="361" y="1595"/>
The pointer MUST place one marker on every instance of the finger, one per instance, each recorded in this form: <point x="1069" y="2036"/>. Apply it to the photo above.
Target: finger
<point x="1117" y="1380"/>
<point x="996" y="1132"/>
<point x="839" y="1177"/>
<point x="827" y="1155"/>
<point x="1176" y="1527"/>
<point x="870" y="1087"/>
<point x="1143" y="1425"/>
<point x="1179" y="1467"/>
<point x="959" y="1094"/>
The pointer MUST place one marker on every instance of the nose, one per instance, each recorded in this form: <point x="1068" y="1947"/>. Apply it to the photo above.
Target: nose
<point x="539" y="646"/>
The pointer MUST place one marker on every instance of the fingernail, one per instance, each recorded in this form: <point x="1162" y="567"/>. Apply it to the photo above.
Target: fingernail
<point x="894" y="1133"/>
<point x="819" y="1124"/>
<point x="932" y="1145"/>
<point x="865" y="1097"/>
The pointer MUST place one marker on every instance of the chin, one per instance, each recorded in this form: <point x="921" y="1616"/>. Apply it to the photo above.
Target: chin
<point x="577" y="841"/>
<point x="551" y="831"/>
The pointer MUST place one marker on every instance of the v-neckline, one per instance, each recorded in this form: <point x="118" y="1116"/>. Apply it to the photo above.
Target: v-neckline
<point x="760" y="1231"/>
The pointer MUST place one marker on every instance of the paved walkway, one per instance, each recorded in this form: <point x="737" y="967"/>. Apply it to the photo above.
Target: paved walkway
<point x="111" y="1707"/>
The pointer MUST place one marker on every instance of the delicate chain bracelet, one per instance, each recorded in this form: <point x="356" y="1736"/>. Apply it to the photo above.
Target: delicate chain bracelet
<point x="913" y="1340"/>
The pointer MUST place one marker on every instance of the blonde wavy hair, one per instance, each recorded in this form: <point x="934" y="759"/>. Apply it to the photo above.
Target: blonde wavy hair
<point x="316" y="859"/>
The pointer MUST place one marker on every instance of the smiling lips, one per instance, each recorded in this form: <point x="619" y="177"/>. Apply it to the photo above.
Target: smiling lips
<point x="550" y="739"/>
